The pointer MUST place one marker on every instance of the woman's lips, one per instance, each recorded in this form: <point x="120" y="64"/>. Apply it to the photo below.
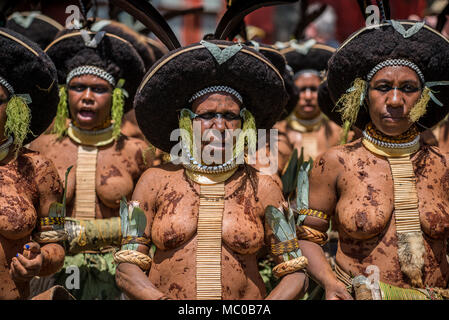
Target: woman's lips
<point x="393" y="119"/>
<point x="86" y="115"/>
<point x="308" y="108"/>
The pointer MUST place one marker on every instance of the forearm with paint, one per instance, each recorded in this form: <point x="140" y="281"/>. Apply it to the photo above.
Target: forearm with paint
<point x="318" y="267"/>
<point x="135" y="284"/>
<point x="52" y="259"/>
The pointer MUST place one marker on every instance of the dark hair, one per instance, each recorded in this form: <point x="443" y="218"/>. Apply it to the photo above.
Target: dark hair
<point x="30" y="71"/>
<point x="42" y="29"/>
<point x="113" y="54"/>
<point x="133" y="37"/>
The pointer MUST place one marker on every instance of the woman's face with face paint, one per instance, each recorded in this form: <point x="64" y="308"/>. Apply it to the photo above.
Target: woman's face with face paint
<point x="392" y="93"/>
<point x="222" y="125"/>
<point x="307" y="107"/>
<point x="90" y="101"/>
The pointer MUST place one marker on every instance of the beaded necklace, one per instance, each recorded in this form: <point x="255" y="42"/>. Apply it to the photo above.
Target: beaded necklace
<point x="377" y="142"/>
<point x="302" y="125"/>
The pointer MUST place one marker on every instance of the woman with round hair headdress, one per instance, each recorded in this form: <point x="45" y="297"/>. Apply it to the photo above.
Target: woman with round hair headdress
<point x="32" y="217"/>
<point x="208" y="212"/>
<point x="306" y="126"/>
<point x="99" y="74"/>
<point x="145" y="51"/>
<point x="387" y="191"/>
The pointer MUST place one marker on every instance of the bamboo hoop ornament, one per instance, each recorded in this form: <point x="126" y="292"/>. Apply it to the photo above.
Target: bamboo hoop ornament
<point x="310" y="234"/>
<point x="134" y="257"/>
<point x="290" y="266"/>
<point x="50" y="236"/>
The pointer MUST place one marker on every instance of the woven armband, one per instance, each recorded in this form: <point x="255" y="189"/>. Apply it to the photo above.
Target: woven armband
<point x="134" y="257"/>
<point x="50" y="236"/>
<point x="285" y="247"/>
<point x="290" y="266"/>
<point x="52" y="221"/>
<point x="314" y="213"/>
<point x="133" y="222"/>
<point x="55" y="220"/>
<point x="283" y="228"/>
<point x="136" y="240"/>
<point x="310" y="234"/>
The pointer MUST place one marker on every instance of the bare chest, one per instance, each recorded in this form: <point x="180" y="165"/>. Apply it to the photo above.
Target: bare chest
<point x="314" y="143"/>
<point x="177" y="212"/>
<point x="18" y="200"/>
<point x="115" y="174"/>
<point x="366" y="197"/>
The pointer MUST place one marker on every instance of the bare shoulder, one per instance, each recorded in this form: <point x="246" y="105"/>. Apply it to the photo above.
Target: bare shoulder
<point x="268" y="185"/>
<point x="133" y="144"/>
<point x="269" y="182"/>
<point x="160" y="174"/>
<point x="43" y="142"/>
<point x="45" y="173"/>
<point x="281" y="126"/>
<point x="335" y="129"/>
<point x="333" y="125"/>
<point x="334" y="159"/>
<point x="36" y="158"/>
<point x="433" y="156"/>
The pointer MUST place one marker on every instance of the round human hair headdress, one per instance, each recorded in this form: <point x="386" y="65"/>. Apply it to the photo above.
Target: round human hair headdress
<point x="392" y="43"/>
<point x="279" y="61"/>
<point x="139" y="42"/>
<point x="98" y="53"/>
<point x="306" y="56"/>
<point x="35" y="26"/>
<point x="30" y="79"/>
<point x="188" y="72"/>
<point x="158" y="48"/>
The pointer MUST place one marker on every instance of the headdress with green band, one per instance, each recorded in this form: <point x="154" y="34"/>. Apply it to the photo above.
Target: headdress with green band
<point x="18" y="115"/>
<point x="118" y="99"/>
<point x="350" y="102"/>
<point x="248" y="133"/>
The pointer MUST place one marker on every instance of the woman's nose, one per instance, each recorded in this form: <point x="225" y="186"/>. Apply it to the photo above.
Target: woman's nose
<point x="219" y="124"/>
<point x="394" y="98"/>
<point x="308" y="94"/>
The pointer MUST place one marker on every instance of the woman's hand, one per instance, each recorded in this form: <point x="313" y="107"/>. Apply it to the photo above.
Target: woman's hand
<point x="337" y="291"/>
<point x="27" y="265"/>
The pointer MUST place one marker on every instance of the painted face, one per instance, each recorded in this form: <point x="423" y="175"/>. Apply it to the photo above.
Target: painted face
<point x="307" y="107"/>
<point x="3" y="103"/>
<point x="214" y="141"/>
<point x="393" y="91"/>
<point x="90" y="101"/>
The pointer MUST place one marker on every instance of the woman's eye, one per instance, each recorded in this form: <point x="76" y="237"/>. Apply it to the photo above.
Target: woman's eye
<point x="78" y="88"/>
<point x="409" y="88"/>
<point x="207" y="115"/>
<point x="383" y="88"/>
<point x="231" y="116"/>
<point x="99" y="90"/>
